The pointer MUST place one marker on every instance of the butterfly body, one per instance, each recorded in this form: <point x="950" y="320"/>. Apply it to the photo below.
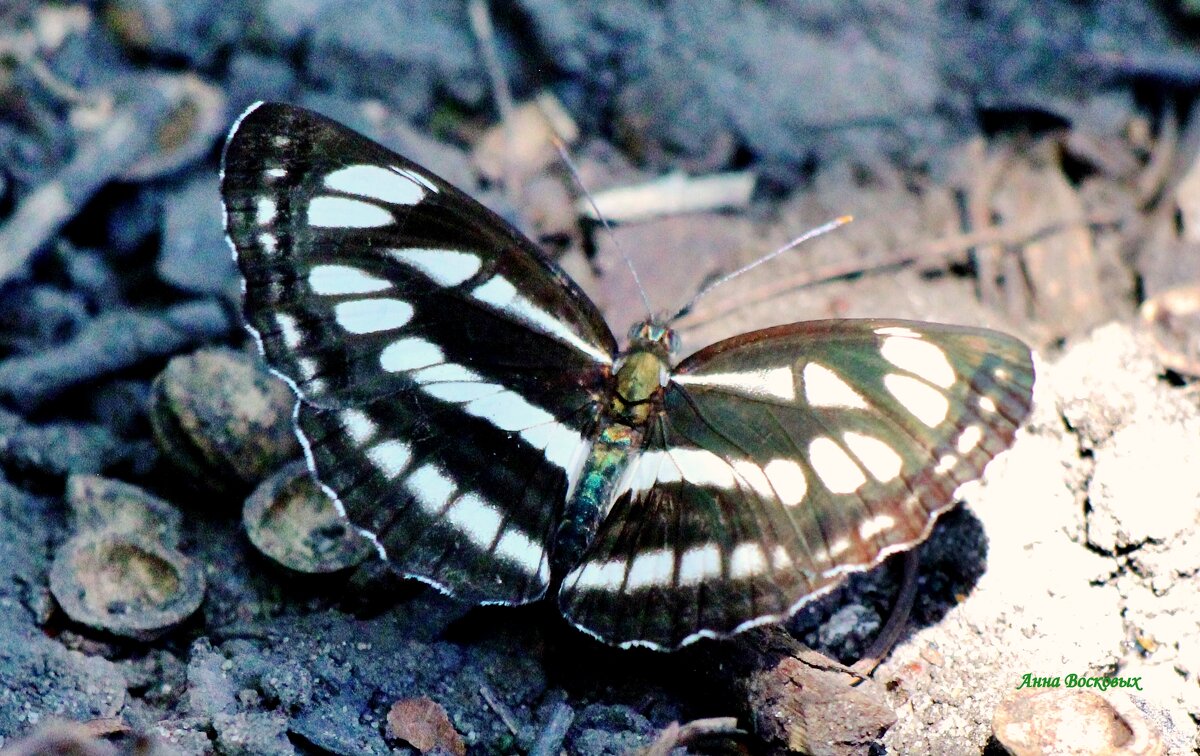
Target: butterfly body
<point x="469" y="409"/>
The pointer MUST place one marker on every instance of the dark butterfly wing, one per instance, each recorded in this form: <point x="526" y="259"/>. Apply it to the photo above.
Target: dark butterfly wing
<point x="785" y="459"/>
<point x="450" y="374"/>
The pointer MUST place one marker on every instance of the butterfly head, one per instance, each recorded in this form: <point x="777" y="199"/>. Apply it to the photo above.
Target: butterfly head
<point x="654" y="335"/>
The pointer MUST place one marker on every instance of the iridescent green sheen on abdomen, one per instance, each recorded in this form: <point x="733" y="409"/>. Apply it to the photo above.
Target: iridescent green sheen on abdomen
<point x="592" y="498"/>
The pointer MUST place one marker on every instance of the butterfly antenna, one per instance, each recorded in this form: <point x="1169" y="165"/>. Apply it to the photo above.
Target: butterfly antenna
<point x="562" y="152"/>
<point x="818" y="231"/>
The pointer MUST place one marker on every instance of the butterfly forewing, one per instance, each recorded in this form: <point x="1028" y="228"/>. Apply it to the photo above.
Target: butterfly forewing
<point x="450" y="375"/>
<point x="784" y="459"/>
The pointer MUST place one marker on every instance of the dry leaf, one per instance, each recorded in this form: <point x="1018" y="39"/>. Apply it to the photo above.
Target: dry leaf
<point x="423" y="724"/>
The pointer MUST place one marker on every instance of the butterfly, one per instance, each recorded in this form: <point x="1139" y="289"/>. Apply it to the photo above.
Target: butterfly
<point x="471" y="412"/>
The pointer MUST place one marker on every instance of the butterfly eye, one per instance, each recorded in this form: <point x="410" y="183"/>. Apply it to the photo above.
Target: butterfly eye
<point x="672" y="341"/>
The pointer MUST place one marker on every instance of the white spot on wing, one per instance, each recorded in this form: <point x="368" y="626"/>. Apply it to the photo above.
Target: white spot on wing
<point x="825" y="388"/>
<point x="651" y="568"/>
<point x="837" y="471"/>
<point x="747" y="560"/>
<point x="452" y="382"/>
<point x="266" y="240"/>
<point x="289" y="329"/>
<point x="377" y="182"/>
<point x="926" y="403"/>
<point x="430" y="488"/>
<point x="264" y="211"/>
<point x="702" y="467"/>
<point x="780" y="560"/>
<point x="699" y="563"/>
<point x="409" y="354"/>
<point x="335" y="280"/>
<point x="390" y="457"/>
<point x="903" y="331"/>
<point x="476" y="518"/>
<point x="753" y="476"/>
<point x="462" y="391"/>
<point x="446" y="372"/>
<point x="372" y="315"/>
<point x="275" y="173"/>
<point x="499" y="293"/>
<point x="508" y="411"/>
<point x="360" y="427"/>
<point x="343" y="212"/>
<point x="945" y="464"/>
<point x="561" y="445"/>
<point x="598" y="575"/>
<point x="875" y="526"/>
<point x="969" y="438"/>
<point x="787" y="478"/>
<point x="417" y="177"/>
<point x="777" y="383"/>
<point x="987" y="405"/>
<point x="445" y="267"/>
<point x="881" y="460"/>
<point x="308" y="368"/>
<point x="920" y="358"/>
<point x="517" y="548"/>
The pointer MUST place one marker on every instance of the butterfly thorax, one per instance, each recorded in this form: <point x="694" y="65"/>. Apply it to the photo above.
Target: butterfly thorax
<point x="642" y="372"/>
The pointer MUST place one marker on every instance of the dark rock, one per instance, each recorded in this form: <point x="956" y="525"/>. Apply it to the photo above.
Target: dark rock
<point x="195" y="256"/>
<point x="109" y="343"/>
<point x="287" y="685"/>
<point x="133" y="220"/>
<point x="57" y="449"/>
<point x="401" y="53"/>
<point x="190" y="30"/>
<point x="90" y="275"/>
<point x="40" y="679"/>
<point x="258" y="734"/>
<point x="36" y="317"/>
<point x="210" y="690"/>
<point x="253" y="77"/>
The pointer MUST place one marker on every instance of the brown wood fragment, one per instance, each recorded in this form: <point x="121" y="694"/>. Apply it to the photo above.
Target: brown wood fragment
<point x="798" y="700"/>
<point x="1062" y="268"/>
<point x="676" y="735"/>
<point x="423" y="724"/>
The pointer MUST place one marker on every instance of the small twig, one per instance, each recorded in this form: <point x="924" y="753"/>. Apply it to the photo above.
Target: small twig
<point x="675" y="735"/>
<point x="485" y="34"/>
<point x="896" y="621"/>
<point x="672" y="194"/>
<point x="1154" y="176"/>
<point x="979" y="215"/>
<point x="937" y="248"/>
<point x="110" y="343"/>
<point x="550" y="741"/>
<point x="502" y="711"/>
<point x="126" y="137"/>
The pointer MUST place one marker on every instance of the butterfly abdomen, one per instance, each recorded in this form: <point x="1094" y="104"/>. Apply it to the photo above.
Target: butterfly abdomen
<point x="591" y="499"/>
<point x="636" y="402"/>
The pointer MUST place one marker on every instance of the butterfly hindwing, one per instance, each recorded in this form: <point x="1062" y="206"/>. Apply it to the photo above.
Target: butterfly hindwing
<point x="450" y="374"/>
<point x="784" y="459"/>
